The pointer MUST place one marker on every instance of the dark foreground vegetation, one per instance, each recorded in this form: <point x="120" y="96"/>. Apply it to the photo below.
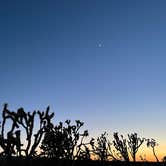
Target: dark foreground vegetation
<point x="54" y="162"/>
<point x="30" y="138"/>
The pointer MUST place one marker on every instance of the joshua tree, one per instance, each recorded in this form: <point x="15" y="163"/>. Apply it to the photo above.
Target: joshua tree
<point x="11" y="143"/>
<point x="152" y="143"/>
<point x="44" y="122"/>
<point x="134" y="142"/>
<point x="103" y="148"/>
<point x="121" y="146"/>
<point x="65" y="141"/>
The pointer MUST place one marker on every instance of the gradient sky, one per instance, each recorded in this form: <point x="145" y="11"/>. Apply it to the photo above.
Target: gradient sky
<point x="100" y="61"/>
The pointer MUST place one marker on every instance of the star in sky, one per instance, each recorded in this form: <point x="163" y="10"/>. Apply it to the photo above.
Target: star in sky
<point x="100" y="45"/>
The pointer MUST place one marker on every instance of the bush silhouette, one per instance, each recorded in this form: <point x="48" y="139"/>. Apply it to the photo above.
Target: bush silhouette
<point x="164" y="159"/>
<point x="65" y="142"/>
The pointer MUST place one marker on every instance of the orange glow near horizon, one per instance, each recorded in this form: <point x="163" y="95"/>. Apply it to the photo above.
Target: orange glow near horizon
<point x="148" y="153"/>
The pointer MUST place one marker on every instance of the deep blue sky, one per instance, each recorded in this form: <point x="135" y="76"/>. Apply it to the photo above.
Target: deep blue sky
<point x="100" y="61"/>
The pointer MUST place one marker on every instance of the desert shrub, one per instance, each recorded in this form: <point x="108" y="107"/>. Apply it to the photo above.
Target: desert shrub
<point x="64" y="141"/>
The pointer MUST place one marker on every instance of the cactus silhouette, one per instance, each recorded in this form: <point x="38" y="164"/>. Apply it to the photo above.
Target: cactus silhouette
<point x="120" y="145"/>
<point x="134" y="142"/>
<point x="103" y="148"/>
<point x="11" y="143"/>
<point x="11" y="140"/>
<point x="152" y="143"/>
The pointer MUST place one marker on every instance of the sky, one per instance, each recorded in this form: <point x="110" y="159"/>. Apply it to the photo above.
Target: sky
<point x="100" y="61"/>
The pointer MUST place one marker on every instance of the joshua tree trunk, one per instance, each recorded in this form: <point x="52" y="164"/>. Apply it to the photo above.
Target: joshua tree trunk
<point x="134" y="157"/>
<point x="155" y="155"/>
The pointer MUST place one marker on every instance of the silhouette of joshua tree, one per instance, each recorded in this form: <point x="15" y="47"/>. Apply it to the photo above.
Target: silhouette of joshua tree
<point x="11" y="143"/>
<point x="134" y="142"/>
<point x="152" y="143"/>
<point x="103" y="149"/>
<point x="12" y="139"/>
<point x="65" y="142"/>
<point x="120" y="145"/>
